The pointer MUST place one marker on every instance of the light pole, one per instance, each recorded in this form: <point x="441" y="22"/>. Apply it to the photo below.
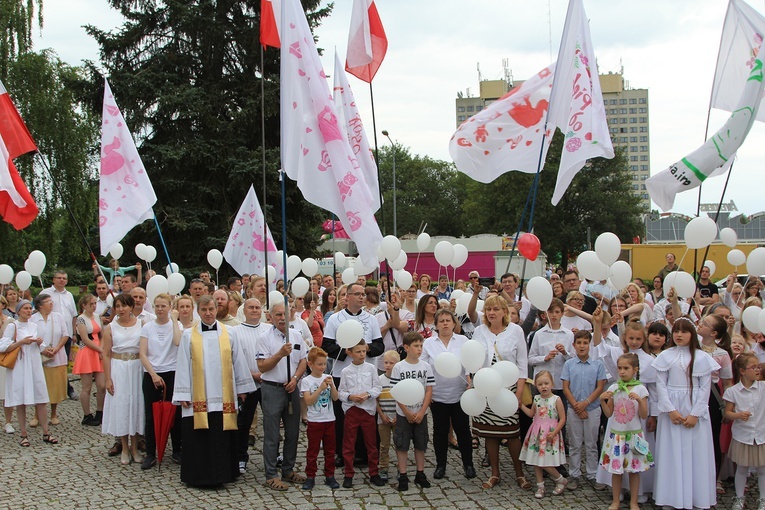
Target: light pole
<point x="393" y="147"/>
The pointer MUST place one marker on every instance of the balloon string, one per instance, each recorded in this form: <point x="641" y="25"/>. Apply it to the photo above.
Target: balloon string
<point x="682" y="259"/>
<point x="417" y="262"/>
<point x="337" y="358"/>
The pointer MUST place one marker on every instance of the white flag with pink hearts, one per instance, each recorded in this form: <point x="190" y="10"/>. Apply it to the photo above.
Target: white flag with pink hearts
<point x="314" y="150"/>
<point x="245" y="249"/>
<point x="125" y="194"/>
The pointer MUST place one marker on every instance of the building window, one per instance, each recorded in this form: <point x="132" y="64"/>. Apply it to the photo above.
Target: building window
<point x="460" y="108"/>
<point x="634" y="177"/>
<point x="461" y="117"/>
<point x="633" y="120"/>
<point x="478" y="108"/>
<point x="633" y="110"/>
<point x="633" y="158"/>
<point x="635" y="187"/>
<point x="643" y="120"/>
<point x="633" y="149"/>
<point x="643" y="148"/>
<point x="622" y="130"/>
<point x="613" y="120"/>
<point x="470" y="108"/>
<point x="644" y="168"/>
<point x="643" y="109"/>
<point x="643" y="100"/>
<point x="622" y="101"/>
<point x="642" y="187"/>
<point x="643" y="129"/>
<point x="612" y="101"/>
<point x="633" y="101"/>
<point x="614" y="130"/>
<point x="643" y="158"/>
<point x="644" y="177"/>
<point x="643" y="138"/>
<point x="623" y="111"/>
<point x="633" y="129"/>
<point x="623" y="139"/>
<point x="633" y="139"/>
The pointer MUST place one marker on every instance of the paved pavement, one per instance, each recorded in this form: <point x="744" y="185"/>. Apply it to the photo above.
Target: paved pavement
<point x="78" y="473"/>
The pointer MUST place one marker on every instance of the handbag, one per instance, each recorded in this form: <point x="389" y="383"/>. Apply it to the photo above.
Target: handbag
<point x="8" y="358"/>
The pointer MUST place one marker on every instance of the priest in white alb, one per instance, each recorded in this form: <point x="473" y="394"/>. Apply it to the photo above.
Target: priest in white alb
<point x="211" y="373"/>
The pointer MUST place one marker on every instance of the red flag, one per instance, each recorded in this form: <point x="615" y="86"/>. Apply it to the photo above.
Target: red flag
<point x="367" y="42"/>
<point x="17" y="206"/>
<point x="270" y="18"/>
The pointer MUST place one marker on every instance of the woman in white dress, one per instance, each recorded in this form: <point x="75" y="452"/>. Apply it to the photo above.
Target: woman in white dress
<point x="123" y="407"/>
<point x="4" y="321"/>
<point x="25" y="382"/>
<point x="51" y="327"/>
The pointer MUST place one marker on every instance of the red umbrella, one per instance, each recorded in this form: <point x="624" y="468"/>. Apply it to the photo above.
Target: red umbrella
<point x="164" y="419"/>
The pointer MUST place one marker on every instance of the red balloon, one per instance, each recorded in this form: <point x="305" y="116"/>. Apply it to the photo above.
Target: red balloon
<point x="528" y="246"/>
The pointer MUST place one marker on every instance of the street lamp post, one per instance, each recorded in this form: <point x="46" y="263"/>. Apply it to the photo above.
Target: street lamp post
<point x="393" y="147"/>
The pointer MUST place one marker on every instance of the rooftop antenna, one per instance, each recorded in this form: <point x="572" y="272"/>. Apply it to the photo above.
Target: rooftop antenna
<point x="549" y="28"/>
<point x="478" y="68"/>
<point x="507" y="73"/>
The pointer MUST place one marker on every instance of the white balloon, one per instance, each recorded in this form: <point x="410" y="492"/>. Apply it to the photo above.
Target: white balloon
<point x="349" y="276"/>
<point x="151" y="253"/>
<point x="214" y="258"/>
<point x="408" y="392"/>
<point x="457" y="294"/>
<point x="487" y="381"/>
<point x="360" y="269"/>
<point x="539" y="292"/>
<point x="6" y="274"/>
<point x="755" y="262"/>
<point x="736" y="257"/>
<point x="508" y="371"/>
<point x="116" y="250"/>
<point x="590" y="266"/>
<point x="504" y="403"/>
<point x="269" y="273"/>
<point x="448" y="365"/>
<point x="472" y="402"/>
<point x="278" y="258"/>
<point x="711" y="265"/>
<point x="729" y="237"/>
<point x="463" y="303"/>
<point x="156" y="285"/>
<point x="349" y="334"/>
<point x="404" y="279"/>
<point x="340" y="259"/>
<point x="175" y="283"/>
<point x="608" y="247"/>
<point x="310" y="267"/>
<point x="620" y="274"/>
<point x="300" y="286"/>
<point x="700" y="232"/>
<point x="750" y="318"/>
<point x="472" y="355"/>
<point x="140" y="251"/>
<point x="400" y="261"/>
<point x="37" y="263"/>
<point x="761" y="319"/>
<point x="391" y="247"/>
<point x="28" y="266"/>
<point x="23" y="280"/>
<point x="171" y="268"/>
<point x="274" y="297"/>
<point x="683" y="283"/>
<point x="444" y="253"/>
<point x="423" y="241"/>
<point x="460" y="255"/>
<point x="294" y="266"/>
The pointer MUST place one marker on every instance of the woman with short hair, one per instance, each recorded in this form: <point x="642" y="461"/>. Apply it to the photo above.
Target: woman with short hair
<point x="51" y="327"/>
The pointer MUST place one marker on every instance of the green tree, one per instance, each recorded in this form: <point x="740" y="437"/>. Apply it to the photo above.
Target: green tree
<point x="599" y="198"/>
<point x="428" y="191"/>
<point x="16" y="33"/>
<point x="186" y="75"/>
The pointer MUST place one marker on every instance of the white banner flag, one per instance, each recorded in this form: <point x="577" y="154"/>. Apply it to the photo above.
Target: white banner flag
<point x="742" y="34"/>
<point x="315" y="152"/>
<point x="506" y="135"/>
<point x="245" y="249"/>
<point x="349" y="118"/>
<point x="126" y="196"/>
<point x="576" y="104"/>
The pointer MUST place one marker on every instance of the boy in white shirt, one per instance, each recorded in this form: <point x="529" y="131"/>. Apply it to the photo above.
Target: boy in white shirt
<point x="318" y="390"/>
<point x="386" y="411"/>
<point x="412" y="421"/>
<point x="552" y="346"/>
<point x="359" y="389"/>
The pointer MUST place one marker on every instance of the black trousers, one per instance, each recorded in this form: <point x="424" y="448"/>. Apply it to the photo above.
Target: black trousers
<point x="443" y="414"/>
<point x="244" y="419"/>
<point x="151" y="395"/>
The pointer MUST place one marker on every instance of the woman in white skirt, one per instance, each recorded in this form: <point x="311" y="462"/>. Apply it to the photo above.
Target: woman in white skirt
<point x="5" y="320"/>
<point x="123" y="407"/>
<point x="25" y="382"/>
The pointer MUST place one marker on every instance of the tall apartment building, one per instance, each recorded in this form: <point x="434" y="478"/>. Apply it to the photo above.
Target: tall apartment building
<point x="626" y="113"/>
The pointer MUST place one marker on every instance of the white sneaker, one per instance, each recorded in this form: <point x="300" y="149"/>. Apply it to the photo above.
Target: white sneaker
<point x="242" y="467"/>
<point x="738" y="504"/>
<point x="9" y="428"/>
<point x="642" y="498"/>
<point x="761" y="504"/>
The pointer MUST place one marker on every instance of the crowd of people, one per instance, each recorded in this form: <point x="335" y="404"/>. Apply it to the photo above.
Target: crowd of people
<point x="638" y="389"/>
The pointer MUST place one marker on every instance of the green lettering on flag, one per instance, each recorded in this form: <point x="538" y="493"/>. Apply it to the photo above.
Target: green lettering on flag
<point x="700" y="176"/>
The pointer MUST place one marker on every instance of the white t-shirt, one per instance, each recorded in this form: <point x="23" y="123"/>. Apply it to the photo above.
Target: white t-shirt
<point x="420" y="371"/>
<point x="162" y="352"/>
<point x="321" y="411"/>
<point x="575" y="322"/>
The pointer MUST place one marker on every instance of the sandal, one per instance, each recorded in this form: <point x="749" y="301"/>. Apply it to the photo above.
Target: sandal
<point x="491" y="482"/>
<point x="55" y="421"/>
<point x="293" y="478"/>
<point x="560" y="485"/>
<point x="523" y="483"/>
<point x="614" y="506"/>
<point x="720" y="488"/>
<point x="50" y="439"/>
<point x="24" y="442"/>
<point x="540" y="493"/>
<point x="476" y="442"/>
<point x="276" y="484"/>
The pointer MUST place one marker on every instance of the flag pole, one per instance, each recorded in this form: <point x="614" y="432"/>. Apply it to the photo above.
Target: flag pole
<point x="74" y="219"/>
<point x="263" y="162"/>
<point x="286" y="302"/>
<point x="164" y="246"/>
<point x="379" y="180"/>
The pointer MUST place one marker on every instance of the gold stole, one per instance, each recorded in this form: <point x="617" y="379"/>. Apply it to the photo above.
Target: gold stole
<point x="198" y="392"/>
